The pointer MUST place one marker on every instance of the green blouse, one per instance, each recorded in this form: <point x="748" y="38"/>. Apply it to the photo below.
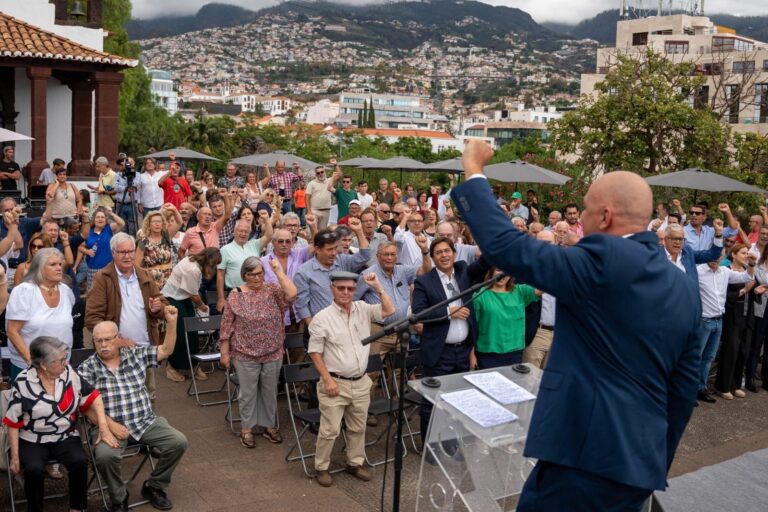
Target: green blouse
<point x="501" y="319"/>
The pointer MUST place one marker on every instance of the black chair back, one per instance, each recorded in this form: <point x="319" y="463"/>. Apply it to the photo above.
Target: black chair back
<point x="300" y="372"/>
<point x="294" y="340"/>
<point x="206" y="323"/>
<point x="78" y="355"/>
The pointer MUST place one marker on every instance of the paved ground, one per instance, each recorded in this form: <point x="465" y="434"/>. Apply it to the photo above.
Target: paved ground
<point x="217" y="473"/>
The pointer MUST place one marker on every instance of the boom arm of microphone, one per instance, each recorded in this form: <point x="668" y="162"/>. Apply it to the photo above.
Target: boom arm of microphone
<point x="401" y="325"/>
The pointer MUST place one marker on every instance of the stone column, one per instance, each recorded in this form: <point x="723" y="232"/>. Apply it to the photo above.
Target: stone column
<point x="82" y="111"/>
<point x="107" y="84"/>
<point x="38" y="78"/>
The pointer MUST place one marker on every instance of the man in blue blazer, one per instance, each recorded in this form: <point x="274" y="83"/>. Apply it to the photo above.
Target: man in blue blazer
<point x="681" y="255"/>
<point x="446" y="342"/>
<point x="621" y="379"/>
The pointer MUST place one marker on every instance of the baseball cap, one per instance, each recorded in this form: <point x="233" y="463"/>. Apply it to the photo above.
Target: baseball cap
<point x="517" y="195"/>
<point x="729" y="232"/>
<point x="355" y="201"/>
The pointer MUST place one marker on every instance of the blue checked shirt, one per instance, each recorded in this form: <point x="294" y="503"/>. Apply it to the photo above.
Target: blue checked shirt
<point x="125" y="397"/>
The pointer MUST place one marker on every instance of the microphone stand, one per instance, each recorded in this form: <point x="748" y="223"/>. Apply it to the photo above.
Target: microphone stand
<point x="403" y="330"/>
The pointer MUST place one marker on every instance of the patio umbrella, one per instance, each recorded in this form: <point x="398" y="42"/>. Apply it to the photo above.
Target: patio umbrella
<point x="271" y="159"/>
<point x="360" y="161"/>
<point x="8" y="136"/>
<point x="696" y="178"/>
<point x="452" y="165"/>
<point x="518" y="171"/>
<point x="180" y="152"/>
<point x="398" y="162"/>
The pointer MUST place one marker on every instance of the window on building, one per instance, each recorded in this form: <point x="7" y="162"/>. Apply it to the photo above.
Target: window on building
<point x="733" y="95"/>
<point x="727" y="44"/>
<point x="765" y="65"/>
<point x="714" y="68"/>
<point x="640" y="39"/>
<point x="676" y="47"/>
<point x="761" y="103"/>
<point x="701" y="97"/>
<point x="744" y="66"/>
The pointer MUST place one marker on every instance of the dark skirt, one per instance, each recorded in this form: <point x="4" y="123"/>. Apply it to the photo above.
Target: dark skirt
<point x="179" y="360"/>
<point x="487" y="360"/>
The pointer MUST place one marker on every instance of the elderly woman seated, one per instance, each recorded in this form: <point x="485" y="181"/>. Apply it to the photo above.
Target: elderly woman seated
<point x="41" y="420"/>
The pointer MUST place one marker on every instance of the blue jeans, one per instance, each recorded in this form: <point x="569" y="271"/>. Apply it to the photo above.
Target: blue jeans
<point x="708" y="338"/>
<point x="287" y="206"/>
<point x="125" y="212"/>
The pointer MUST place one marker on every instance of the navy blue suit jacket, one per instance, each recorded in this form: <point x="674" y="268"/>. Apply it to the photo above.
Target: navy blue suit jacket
<point x="428" y="290"/>
<point x="621" y="378"/>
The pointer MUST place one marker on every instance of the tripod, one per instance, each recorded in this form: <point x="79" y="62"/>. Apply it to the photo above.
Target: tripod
<point x="132" y="220"/>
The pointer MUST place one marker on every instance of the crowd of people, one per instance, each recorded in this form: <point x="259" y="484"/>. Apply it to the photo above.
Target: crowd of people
<point x="277" y="252"/>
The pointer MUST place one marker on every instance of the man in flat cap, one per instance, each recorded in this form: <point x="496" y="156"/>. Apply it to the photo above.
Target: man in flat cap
<point x="341" y="360"/>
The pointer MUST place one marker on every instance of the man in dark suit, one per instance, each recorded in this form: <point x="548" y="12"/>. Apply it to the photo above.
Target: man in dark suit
<point x="446" y="342"/>
<point x="685" y="258"/>
<point x="621" y="379"/>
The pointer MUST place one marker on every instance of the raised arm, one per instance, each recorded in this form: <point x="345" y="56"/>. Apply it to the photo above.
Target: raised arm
<point x="169" y="343"/>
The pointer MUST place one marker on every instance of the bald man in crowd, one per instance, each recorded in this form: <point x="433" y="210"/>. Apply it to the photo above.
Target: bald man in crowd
<point x="618" y="390"/>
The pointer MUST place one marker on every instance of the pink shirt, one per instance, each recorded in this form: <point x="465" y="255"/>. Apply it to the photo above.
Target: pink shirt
<point x="192" y="242"/>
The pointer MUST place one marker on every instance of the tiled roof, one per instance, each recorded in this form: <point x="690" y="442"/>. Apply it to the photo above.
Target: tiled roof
<point x="22" y="40"/>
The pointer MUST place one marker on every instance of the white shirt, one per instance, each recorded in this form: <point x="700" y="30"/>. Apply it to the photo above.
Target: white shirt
<point x="150" y="193"/>
<point x="409" y="252"/>
<point x="754" y="249"/>
<point x="713" y="287"/>
<point x="366" y="200"/>
<point x="133" y="316"/>
<point x="459" y="329"/>
<point x="28" y="305"/>
<point x="679" y="262"/>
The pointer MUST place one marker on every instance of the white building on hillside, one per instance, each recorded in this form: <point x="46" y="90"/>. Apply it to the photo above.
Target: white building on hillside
<point x="391" y="110"/>
<point x="323" y="112"/>
<point x="271" y="105"/>
<point x="163" y="90"/>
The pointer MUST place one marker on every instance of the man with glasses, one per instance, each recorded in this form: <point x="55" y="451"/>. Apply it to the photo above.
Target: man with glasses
<point x="236" y="252"/>
<point x="383" y="214"/>
<point x="313" y="281"/>
<point x="368" y="220"/>
<point x="389" y="226"/>
<point x="290" y="258"/>
<point x="282" y="182"/>
<point x="344" y="387"/>
<point x="128" y="296"/>
<point x="345" y="194"/>
<point x="318" y="198"/>
<point x="447" y="341"/>
<point x="410" y="252"/>
<point x="119" y="373"/>
<point x="686" y="259"/>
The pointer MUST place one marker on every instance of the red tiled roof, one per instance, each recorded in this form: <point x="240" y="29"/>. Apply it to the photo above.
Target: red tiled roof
<point x="22" y="40"/>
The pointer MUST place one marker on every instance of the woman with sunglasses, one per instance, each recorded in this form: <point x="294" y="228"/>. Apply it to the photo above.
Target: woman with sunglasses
<point x="63" y="198"/>
<point x="36" y="242"/>
<point x="251" y="340"/>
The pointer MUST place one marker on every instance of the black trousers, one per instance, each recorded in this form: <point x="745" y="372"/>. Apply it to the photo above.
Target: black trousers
<point x="734" y="349"/>
<point x="33" y="458"/>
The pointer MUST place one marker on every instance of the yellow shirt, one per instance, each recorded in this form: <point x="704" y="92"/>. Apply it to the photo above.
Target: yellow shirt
<point x="107" y="183"/>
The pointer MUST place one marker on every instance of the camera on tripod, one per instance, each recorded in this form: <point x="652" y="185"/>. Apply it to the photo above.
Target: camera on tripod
<point x="129" y="172"/>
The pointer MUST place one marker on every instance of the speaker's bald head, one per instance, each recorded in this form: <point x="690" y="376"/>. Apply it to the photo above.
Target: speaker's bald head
<point x="617" y="203"/>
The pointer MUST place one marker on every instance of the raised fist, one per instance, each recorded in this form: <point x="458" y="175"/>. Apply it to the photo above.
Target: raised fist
<point x="275" y="265"/>
<point x="676" y="203"/>
<point x="354" y="224"/>
<point x="171" y="314"/>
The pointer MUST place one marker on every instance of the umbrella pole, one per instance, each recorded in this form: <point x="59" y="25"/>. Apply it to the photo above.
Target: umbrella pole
<point x="401" y="178"/>
<point x="695" y="194"/>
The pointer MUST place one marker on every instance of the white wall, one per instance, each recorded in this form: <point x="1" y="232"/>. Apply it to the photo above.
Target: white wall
<point x="59" y="121"/>
<point x="23" y="120"/>
<point x="42" y="14"/>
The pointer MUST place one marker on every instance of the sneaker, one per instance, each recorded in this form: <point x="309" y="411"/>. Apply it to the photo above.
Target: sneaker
<point x="359" y="472"/>
<point x="725" y="396"/>
<point x="173" y="375"/>
<point x="200" y="374"/>
<point x="157" y="497"/>
<point x="739" y="393"/>
<point x="324" y="478"/>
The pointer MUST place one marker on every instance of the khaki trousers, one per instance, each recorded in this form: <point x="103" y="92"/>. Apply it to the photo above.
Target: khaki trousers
<point x="382" y="347"/>
<point x="351" y="404"/>
<point x="322" y="218"/>
<point x="536" y="353"/>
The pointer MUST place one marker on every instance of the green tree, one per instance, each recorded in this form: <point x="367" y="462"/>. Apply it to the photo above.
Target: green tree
<point x="365" y="115"/>
<point x="418" y="148"/>
<point x="371" y="120"/>
<point x="642" y="121"/>
<point x="360" y="119"/>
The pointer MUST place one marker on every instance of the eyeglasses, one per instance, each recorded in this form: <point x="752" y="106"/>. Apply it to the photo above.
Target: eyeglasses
<point x="695" y="213"/>
<point x="270" y="195"/>
<point x="676" y="239"/>
<point x="397" y="213"/>
<point x="294" y="226"/>
<point x="348" y="289"/>
<point x="62" y="362"/>
<point x="329" y="237"/>
<point x="105" y="340"/>
<point x="125" y="253"/>
<point x="36" y="246"/>
<point x="319" y="173"/>
<point x="258" y="273"/>
<point x="346" y="181"/>
<point x="415" y="220"/>
<point x="283" y="241"/>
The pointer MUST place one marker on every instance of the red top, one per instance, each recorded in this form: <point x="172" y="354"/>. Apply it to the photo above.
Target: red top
<point x="175" y="191"/>
<point x="299" y="197"/>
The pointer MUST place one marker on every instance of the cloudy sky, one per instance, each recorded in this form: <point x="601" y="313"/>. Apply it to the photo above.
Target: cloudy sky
<point x="570" y="11"/>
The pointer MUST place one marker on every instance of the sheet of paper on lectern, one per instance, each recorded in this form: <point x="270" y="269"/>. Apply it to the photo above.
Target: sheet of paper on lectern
<point x="479" y="408"/>
<point x="499" y="388"/>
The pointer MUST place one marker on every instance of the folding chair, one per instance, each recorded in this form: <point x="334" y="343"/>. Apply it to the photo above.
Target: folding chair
<point x="412" y="398"/>
<point x="384" y="406"/>
<point x="212" y="296"/>
<point x="293" y="341"/>
<point x="295" y="374"/>
<point x="78" y="355"/>
<point x="233" y="385"/>
<point x="209" y="326"/>
<point x="133" y="449"/>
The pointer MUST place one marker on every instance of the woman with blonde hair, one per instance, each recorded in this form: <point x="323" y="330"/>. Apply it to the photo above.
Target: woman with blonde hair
<point x="154" y="250"/>
<point x="173" y="224"/>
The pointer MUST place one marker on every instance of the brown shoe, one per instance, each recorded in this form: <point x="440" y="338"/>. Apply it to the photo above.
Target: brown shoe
<point x="200" y="374"/>
<point x="324" y="478"/>
<point x="173" y="375"/>
<point x="359" y="472"/>
<point x="372" y="421"/>
<point x="273" y="435"/>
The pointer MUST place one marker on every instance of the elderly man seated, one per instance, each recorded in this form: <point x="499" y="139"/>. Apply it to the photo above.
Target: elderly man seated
<point x="118" y="372"/>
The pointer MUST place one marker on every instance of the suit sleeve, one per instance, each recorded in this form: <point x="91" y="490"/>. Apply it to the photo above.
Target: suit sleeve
<point x="681" y="395"/>
<point x="96" y="305"/>
<point x="711" y="254"/>
<point x="420" y="301"/>
<point x="569" y="274"/>
<point x="478" y="269"/>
